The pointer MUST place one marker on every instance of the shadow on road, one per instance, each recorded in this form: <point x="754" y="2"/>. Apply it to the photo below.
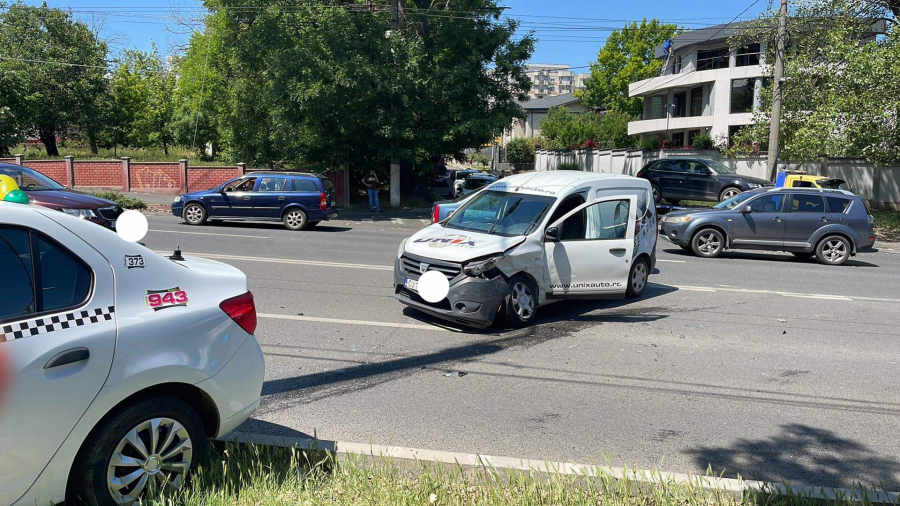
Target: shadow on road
<point x="806" y="455"/>
<point x="766" y="256"/>
<point x="262" y="427"/>
<point x="264" y="225"/>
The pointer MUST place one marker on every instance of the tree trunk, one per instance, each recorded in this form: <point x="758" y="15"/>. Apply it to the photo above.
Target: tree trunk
<point x="165" y="147"/>
<point x="47" y="134"/>
<point x="92" y="140"/>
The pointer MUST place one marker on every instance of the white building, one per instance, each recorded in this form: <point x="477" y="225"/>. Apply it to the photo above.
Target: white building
<point x="550" y="80"/>
<point x="705" y="87"/>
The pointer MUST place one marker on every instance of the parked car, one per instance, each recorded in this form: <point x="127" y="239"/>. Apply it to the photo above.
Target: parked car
<point x="456" y="178"/>
<point x="833" y="225"/>
<point x="531" y="239"/>
<point x="298" y="200"/>
<point x="124" y="361"/>
<point x="800" y="179"/>
<point x="443" y="208"/>
<point x="45" y="192"/>
<point x="442" y="188"/>
<point x="677" y="179"/>
<point x="476" y="182"/>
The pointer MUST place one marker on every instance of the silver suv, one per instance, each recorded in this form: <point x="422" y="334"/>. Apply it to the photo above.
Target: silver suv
<point x="833" y="225"/>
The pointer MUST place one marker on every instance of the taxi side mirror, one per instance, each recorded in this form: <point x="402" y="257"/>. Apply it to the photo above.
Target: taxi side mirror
<point x="551" y="234"/>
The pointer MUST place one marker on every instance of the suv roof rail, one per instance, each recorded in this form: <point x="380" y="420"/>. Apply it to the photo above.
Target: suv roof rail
<point x="283" y="173"/>
<point x="810" y="190"/>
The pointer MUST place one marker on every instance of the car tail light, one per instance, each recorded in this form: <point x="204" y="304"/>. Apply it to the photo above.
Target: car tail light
<point x="436" y="214"/>
<point x="640" y="173"/>
<point x="323" y="202"/>
<point x="242" y="310"/>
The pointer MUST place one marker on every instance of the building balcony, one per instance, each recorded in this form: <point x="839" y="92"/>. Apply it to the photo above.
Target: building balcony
<point x="688" y="78"/>
<point x="649" y="126"/>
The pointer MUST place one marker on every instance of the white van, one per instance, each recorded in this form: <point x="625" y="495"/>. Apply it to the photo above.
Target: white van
<point x="530" y="239"/>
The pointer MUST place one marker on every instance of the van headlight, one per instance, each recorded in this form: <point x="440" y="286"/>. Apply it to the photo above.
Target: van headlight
<point x="402" y="248"/>
<point x="481" y="267"/>
<point x="80" y="213"/>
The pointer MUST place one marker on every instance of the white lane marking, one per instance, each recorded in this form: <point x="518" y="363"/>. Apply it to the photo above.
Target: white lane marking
<point x="823" y="296"/>
<point x="216" y="256"/>
<point x="208" y="233"/>
<point x="352" y="322"/>
<point x="730" y="485"/>
<point x="672" y="261"/>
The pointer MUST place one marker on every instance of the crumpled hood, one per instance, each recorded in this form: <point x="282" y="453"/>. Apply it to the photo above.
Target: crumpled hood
<point x="453" y="245"/>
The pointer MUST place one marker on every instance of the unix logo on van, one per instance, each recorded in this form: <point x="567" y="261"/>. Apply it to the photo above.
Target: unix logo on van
<point x="448" y="240"/>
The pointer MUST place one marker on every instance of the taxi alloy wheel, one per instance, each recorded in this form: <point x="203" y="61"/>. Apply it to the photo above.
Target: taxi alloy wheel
<point x="138" y="450"/>
<point x="194" y="214"/>
<point x="295" y="219"/>
<point x="154" y="455"/>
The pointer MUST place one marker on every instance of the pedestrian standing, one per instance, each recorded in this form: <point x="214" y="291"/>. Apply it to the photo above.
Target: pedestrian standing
<point x="371" y="181"/>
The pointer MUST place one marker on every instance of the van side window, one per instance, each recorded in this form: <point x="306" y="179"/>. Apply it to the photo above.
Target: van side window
<point x="571" y="202"/>
<point x="272" y="184"/>
<point x="600" y="221"/>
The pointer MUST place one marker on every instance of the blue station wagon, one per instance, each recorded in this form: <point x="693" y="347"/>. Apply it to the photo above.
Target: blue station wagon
<point x="298" y="200"/>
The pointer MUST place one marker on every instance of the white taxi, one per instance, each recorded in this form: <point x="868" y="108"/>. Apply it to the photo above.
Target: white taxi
<point x="123" y="362"/>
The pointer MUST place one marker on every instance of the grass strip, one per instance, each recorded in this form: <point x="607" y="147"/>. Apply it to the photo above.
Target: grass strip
<point x="261" y="475"/>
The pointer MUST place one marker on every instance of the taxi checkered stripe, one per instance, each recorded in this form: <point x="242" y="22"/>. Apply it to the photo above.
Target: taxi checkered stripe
<point x="47" y="324"/>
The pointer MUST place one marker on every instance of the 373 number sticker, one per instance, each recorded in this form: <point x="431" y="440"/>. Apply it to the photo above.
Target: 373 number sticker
<point x="162" y="299"/>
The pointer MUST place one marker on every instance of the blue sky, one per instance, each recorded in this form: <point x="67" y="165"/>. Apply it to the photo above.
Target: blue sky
<point x="138" y="23"/>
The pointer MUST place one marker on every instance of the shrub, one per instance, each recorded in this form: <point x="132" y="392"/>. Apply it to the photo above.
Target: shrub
<point x="520" y="151"/>
<point x="481" y="158"/>
<point x="654" y="142"/>
<point x="568" y="166"/>
<point x="124" y="201"/>
<point x="703" y="141"/>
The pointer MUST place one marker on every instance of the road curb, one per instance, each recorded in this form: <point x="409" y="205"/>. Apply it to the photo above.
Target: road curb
<point x="732" y="486"/>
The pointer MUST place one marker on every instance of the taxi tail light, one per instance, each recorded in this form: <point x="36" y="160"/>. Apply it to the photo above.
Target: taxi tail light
<point x="436" y="213"/>
<point x="242" y="310"/>
<point x="323" y="201"/>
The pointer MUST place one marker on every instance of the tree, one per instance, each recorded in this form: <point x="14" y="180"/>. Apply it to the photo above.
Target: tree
<point x="520" y="150"/>
<point x="628" y="56"/>
<point x="318" y="81"/>
<point x="59" y="64"/>
<point x="840" y="96"/>
<point x="565" y="130"/>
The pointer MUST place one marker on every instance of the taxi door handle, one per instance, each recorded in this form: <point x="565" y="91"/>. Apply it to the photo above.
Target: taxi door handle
<point x="617" y="251"/>
<point x="68" y="357"/>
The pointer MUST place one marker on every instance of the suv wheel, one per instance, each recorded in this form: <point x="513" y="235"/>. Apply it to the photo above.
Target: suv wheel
<point x="729" y="192"/>
<point x="131" y="456"/>
<point x="521" y="303"/>
<point x="194" y="214"/>
<point x="637" y="278"/>
<point x="657" y="193"/>
<point x="833" y="250"/>
<point x="708" y="243"/>
<point x="295" y="219"/>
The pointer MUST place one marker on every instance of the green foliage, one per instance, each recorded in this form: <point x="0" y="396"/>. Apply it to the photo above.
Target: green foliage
<point x="481" y="158"/>
<point x="568" y="166"/>
<point x="652" y="142"/>
<point x="702" y="141"/>
<point x="122" y="200"/>
<point x="840" y="98"/>
<point x="565" y="130"/>
<point x="628" y="56"/>
<point x="520" y="150"/>
<point x="49" y="99"/>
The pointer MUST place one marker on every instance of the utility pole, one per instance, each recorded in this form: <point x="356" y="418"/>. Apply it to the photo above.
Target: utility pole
<point x="395" y="163"/>
<point x="777" y="86"/>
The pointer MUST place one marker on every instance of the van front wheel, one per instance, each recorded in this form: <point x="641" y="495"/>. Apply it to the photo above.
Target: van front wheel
<point x="521" y="303"/>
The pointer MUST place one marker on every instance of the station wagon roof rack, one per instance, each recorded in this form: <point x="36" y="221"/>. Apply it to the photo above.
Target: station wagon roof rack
<point x="809" y="190"/>
<point x="283" y="173"/>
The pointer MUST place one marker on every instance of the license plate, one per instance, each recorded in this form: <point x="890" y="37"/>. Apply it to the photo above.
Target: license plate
<point x="412" y="284"/>
<point x="112" y="224"/>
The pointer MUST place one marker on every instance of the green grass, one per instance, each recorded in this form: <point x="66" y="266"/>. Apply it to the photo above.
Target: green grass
<point x="122" y="200"/>
<point x="887" y="223"/>
<point x="254" y="475"/>
<point x="176" y="153"/>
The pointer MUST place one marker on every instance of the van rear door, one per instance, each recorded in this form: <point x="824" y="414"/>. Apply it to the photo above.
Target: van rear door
<point x="588" y="252"/>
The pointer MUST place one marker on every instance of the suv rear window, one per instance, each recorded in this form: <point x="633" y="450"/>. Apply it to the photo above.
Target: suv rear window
<point x="305" y="185"/>
<point x="838" y="205"/>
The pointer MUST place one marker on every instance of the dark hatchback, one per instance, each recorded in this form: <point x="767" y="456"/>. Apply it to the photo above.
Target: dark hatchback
<point x="677" y="179"/>
<point x="45" y="192"/>
<point x="298" y="200"/>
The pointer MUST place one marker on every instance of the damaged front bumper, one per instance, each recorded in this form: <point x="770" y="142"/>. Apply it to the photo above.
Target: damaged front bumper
<point x="473" y="302"/>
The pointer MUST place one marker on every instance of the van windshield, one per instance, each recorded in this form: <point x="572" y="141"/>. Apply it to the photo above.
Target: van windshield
<point x="500" y="213"/>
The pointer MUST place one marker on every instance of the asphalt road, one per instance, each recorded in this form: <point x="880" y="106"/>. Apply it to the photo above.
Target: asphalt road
<point x="756" y="364"/>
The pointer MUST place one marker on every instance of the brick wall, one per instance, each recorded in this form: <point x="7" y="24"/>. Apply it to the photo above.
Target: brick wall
<point x="204" y="178"/>
<point x="98" y="174"/>
<point x="7" y="160"/>
<point x="54" y="169"/>
<point x="156" y="177"/>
